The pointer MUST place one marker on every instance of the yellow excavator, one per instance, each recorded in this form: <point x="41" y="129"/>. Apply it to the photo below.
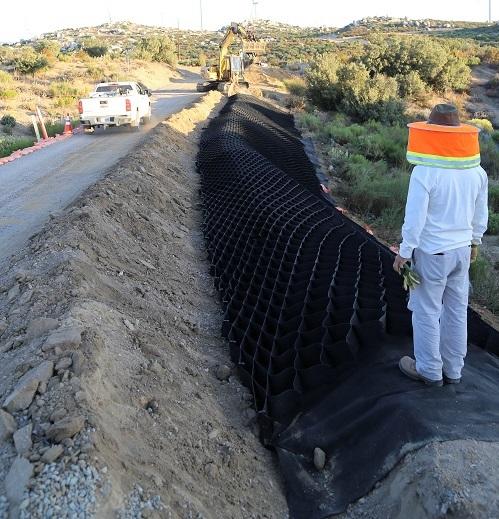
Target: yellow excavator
<point x="228" y="73"/>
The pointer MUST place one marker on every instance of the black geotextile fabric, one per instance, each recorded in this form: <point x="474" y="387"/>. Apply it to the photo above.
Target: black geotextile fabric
<point x="316" y="319"/>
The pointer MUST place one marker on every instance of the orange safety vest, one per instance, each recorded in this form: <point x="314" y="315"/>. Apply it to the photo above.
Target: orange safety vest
<point x="452" y="147"/>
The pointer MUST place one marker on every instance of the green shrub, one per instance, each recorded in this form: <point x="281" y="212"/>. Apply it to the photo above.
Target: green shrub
<point x="7" y="93"/>
<point x="437" y="63"/>
<point x="322" y="81"/>
<point x="296" y="86"/>
<point x="485" y="283"/>
<point x="490" y="157"/>
<point x="95" y="48"/>
<point x="64" y="94"/>
<point x="310" y="121"/>
<point x="483" y="124"/>
<point x="29" y="62"/>
<point x="411" y="86"/>
<point x="8" y="121"/>
<point x="156" y="48"/>
<point x="495" y="136"/>
<point x="10" y="144"/>
<point x="494" y="198"/>
<point x="493" y="226"/>
<point x="5" y="79"/>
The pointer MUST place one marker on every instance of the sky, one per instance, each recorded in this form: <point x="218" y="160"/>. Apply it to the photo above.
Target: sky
<point x="27" y="18"/>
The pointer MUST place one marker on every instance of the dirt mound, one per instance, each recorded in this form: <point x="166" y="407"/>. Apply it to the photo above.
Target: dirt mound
<point x="137" y="407"/>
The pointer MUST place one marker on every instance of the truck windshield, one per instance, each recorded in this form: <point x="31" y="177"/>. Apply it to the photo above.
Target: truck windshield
<point x="113" y="88"/>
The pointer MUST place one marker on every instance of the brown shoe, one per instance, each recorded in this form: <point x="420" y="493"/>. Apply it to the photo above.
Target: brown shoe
<point x="408" y="368"/>
<point x="449" y="380"/>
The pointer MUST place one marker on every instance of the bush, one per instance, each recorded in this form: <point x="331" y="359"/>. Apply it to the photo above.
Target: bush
<point x="493" y="226"/>
<point x="494" y="198"/>
<point x="485" y="283"/>
<point x="310" y="121"/>
<point x="490" y="157"/>
<point x="438" y="64"/>
<point x="7" y="93"/>
<point x="29" y="62"/>
<point x="296" y="86"/>
<point x="322" y="81"/>
<point x="411" y="86"/>
<point x="64" y="94"/>
<point x="495" y="136"/>
<point x="10" y="144"/>
<point x="48" y="48"/>
<point x="483" y="124"/>
<point x="8" y="121"/>
<point x="95" y="48"/>
<point x="156" y="48"/>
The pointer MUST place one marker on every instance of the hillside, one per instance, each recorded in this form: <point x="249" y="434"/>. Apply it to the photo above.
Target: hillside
<point x="286" y="43"/>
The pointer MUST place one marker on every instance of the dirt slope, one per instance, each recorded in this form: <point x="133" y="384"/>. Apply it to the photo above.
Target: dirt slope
<point x="124" y="267"/>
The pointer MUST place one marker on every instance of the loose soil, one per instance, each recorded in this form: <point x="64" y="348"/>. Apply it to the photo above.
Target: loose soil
<point x="126" y="262"/>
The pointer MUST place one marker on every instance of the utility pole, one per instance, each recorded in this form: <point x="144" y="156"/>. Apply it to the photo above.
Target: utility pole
<point x="255" y="3"/>
<point x="490" y="11"/>
<point x="201" y="12"/>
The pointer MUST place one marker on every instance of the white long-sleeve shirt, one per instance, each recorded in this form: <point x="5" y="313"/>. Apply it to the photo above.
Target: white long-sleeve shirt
<point x="446" y="209"/>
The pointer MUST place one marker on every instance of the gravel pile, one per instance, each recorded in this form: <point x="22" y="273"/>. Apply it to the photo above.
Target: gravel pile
<point x="138" y="504"/>
<point x="62" y="492"/>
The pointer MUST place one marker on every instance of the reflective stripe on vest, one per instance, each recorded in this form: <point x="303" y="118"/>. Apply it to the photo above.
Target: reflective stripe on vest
<point x="452" y="147"/>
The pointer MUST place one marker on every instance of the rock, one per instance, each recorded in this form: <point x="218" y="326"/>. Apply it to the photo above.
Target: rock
<point x="63" y="363"/>
<point x="40" y="326"/>
<point x="147" y="264"/>
<point x="68" y="337"/>
<point x="58" y="414"/>
<point x="319" y="458"/>
<point x="13" y="293"/>
<point x="129" y="325"/>
<point x="223" y="372"/>
<point x="7" y="425"/>
<point x="17" y="480"/>
<point x="6" y="346"/>
<point x="25" y="389"/>
<point x="23" y="276"/>
<point x="155" y="367"/>
<point x="22" y="439"/>
<point x="26" y="297"/>
<point x="3" y="325"/>
<point x="42" y="388"/>
<point x="65" y="428"/>
<point x="77" y="358"/>
<point x="52" y="454"/>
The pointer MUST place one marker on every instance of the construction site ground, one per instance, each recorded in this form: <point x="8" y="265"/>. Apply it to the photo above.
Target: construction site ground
<point x="114" y="298"/>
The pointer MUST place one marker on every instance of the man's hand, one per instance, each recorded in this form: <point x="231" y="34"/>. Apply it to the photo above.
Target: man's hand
<point x="399" y="263"/>
<point x="474" y="253"/>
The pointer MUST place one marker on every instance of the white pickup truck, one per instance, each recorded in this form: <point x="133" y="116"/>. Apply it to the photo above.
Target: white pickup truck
<point x="115" y="104"/>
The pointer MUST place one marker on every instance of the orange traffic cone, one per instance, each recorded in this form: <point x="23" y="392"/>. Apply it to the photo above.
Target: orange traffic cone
<point x="68" y="129"/>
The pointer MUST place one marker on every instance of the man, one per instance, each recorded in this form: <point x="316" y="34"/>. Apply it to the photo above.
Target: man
<point x="445" y="218"/>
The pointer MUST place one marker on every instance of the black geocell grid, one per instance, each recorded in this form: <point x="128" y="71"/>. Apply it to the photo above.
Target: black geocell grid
<point x="305" y="290"/>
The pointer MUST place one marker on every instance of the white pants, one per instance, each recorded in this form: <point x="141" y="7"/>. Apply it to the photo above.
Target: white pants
<point x="439" y="312"/>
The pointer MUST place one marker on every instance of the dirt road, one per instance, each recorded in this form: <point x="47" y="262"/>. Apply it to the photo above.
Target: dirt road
<point x="46" y="181"/>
